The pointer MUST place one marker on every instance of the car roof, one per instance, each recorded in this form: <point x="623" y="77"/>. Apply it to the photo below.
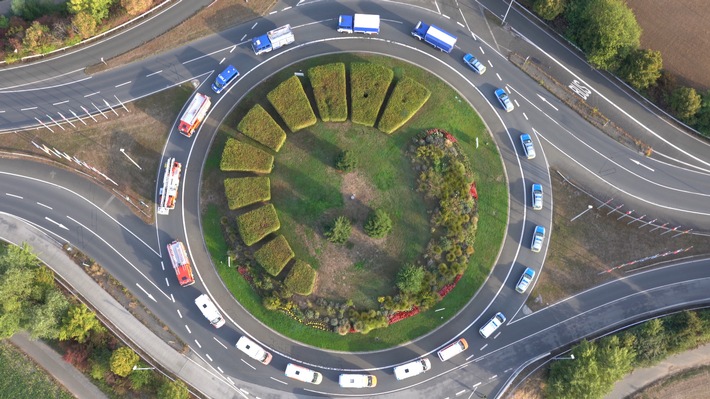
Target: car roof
<point x="500" y="92"/>
<point x="540" y="229"/>
<point x="529" y="272"/>
<point x="536" y="186"/>
<point x="525" y="136"/>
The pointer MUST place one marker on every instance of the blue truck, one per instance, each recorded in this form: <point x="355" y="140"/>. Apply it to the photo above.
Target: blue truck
<point x="368" y="24"/>
<point x="224" y="78"/>
<point x="437" y="37"/>
<point x="272" y="40"/>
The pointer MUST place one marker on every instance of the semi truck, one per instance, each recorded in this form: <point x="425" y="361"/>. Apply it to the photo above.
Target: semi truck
<point x="368" y="24"/>
<point x="272" y="40"/>
<point x="224" y="78"/>
<point x="437" y="37"/>
<point x="194" y="114"/>
<point x="181" y="264"/>
<point x="171" y="184"/>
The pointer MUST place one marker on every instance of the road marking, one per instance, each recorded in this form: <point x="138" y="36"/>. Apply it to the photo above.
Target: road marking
<point x="13" y="195"/>
<point x="172" y="297"/>
<point x="122" y="84"/>
<point x="460" y="24"/>
<point x="285" y="383"/>
<point x="230" y="381"/>
<point x="154" y="73"/>
<point x="287" y="8"/>
<point x="220" y="63"/>
<point x="209" y="357"/>
<point x="57" y="223"/>
<point x="235" y="46"/>
<point x="490" y="63"/>
<point x="242" y="39"/>
<point x="245" y="362"/>
<point x="146" y="292"/>
<point x="526" y="117"/>
<point x="438" y="11"/>
<point x="493" y="377"/>
<point x="254" y="26"/>
<point x="484" y="347"/>
<point x="220" y="370"/>
<point x="516" y="103"/>
<point x="197" y="342"/>
<point x="632" y="160"/>
<point x="482" y="52"/>
<point x="179" y="313"/>
<point x="92" y="94"/>
<point x="46" y="206"/>
<point x="167" y="282"/>
<point x="548" y="103"/>
<point x="188" y="329"/>
<point x="499" y="78"/>
<point x="496" y="336"/>
<point x="61" y="102"/>
<point x="162" y="265"/>
<point x="273" y="12"/>
<point x="28" y="109"/>
<point x="477" y="385"/>
<point x="445" y="16"/>
<point x="218" y="341"/>
<point x="460" y="392"/>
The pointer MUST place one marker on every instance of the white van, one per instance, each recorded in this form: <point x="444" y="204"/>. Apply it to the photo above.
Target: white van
<point x="303" y="374"/>
<point x="253" y="350"/>
<point x="209" y="310"/>
<point x="412" y="368"/>
<point x="492" y="325"/>
<point x="452" y="350"/>
<point x="357" y="380"/>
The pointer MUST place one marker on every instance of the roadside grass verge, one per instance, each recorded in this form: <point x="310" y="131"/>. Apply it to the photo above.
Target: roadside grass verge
<point x="20" y="377"/>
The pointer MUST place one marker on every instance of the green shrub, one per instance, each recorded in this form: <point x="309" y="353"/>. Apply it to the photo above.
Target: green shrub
<point x="549" y="9"/>
<point x="173" y="390"/>
<point x="368" y="87"/>
<point x="242" y="157"/>
<point x="122" y="361"/>
<point x="407" y="98"/>
<point x="329" y="89"/>
<point x="301" y="278"/>
<point x="257" y="224"/>
<point x="339" y="231"/>
<point x="685" y="102"/>
<point x="292" y="104"/>
<point x="260" y="126"/>
<point x="641" y="68"/>
<point x="246" y="191"/>
<point x="378" y="224"/>
<point x="409" y="278"/>
<point x="346" y="161"/>
<point x="274" y="255"/>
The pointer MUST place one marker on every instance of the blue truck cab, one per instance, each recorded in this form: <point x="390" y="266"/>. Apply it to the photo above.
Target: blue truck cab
<point x="437" y="37"/>
<point x="261" y="44"/>
<point x="224" y="78"/>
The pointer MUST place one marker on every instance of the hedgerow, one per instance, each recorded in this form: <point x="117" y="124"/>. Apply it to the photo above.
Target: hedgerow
<point x="260" y="126"/>
<point x="246" y="191"/>
<point x="301" y="279"/>
<point x="329" y="89"/>
<point x="274" y="255"/>
<point x="292" y="104"/>
<point x="368" y="87"/>
<point x="257" y="224"/>
<point x="406" y="99"/>
<point x="242" y="157"/>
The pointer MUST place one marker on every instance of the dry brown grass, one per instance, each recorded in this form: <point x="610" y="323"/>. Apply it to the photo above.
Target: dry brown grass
<point x="689" y="384"/>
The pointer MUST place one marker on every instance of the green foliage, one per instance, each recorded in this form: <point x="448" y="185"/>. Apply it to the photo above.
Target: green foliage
<point x="549" y="9"/>
<point x="346" y="161"/>
<point x="141" y="378"/>
<point x="98" y="9"/>
<point x="85" y="25"/>
<point x="650" y="344"/>
<point x="122" y="361"/>
<point x="368" y="87"/>
<point x="292" y="104"/>
<point x="366" y="321"/>
<point x="245" y="191"/>
<point x="135" y="7"/>
<point x="408" y="97"/>
<point x="45" y="318"/>
<point x="257" y="224"/>
<point x="274" y="255"/>
<point x="378" y="224"/>
<point x="260" y="126"/>
<point x="329" y="90"/>
<point x="410" y="278"/>
<point x="242" y="157"/>
<point x="301" y="279"/>
<point x="606" y="30"/>
<point x="339" y="231"/>
<point x="641" y="68"/>
<point x="685" y="102"/>
<point x="175" y="389"/>
<point x="100" y="363"/>
<point x="22" y="378"/>
<point x="32" y="9"/>
<point x="78" y="323"/>
<point x="703" y="116"/>
<point x="37" y="38"/>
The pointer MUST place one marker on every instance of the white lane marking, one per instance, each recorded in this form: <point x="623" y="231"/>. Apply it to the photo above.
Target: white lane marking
<point x="493" y="377"/>
<point x="484" y="347"/>
<point x="245" y="362"/>
<point x="162" y="265"/>
<point x="28" y="109"/>
<point x="57" y="223"/>
<point x="219" y="342"/>
<point x="490" y="63"/>
<point x="526" y="117"/>
<point x="640" y="164"/>
<point x="221" y="61"/>
<point x="285" y="383"/>
<point x="476" y="385"/>
<point x="188" y="329"/>
<point x="198" y="343"/>
<point x="46" y="206"/>
<point x="61" y="102"/>
<point x="179" y="313"/>
<point x="122" y="84"/>
<point x="92" y="94"/>
<point x="13" y="195"/>
<point x="172" y="297"/>
<point x="460" y="24"/>
<point x="242" y="39"/>
<point x="438" y="11"/>
<point x="460" y="392"/>
<point x="146" y="292"/>
<point x="154" y="73"/>
<point x="516" y="103"/>
<point x="273" y="12"/>
<point x="167" y="282"/>
<point x="209" y="357"/>
<point x="287" y="8"/>
<point x="445" y="16"/>
<point x="220" y="370"/>
<point x="496" y="336"/>
<point x="254" y="26"/>
<point x="547" y="102"/>
<point x="499" y="78"/>
<point x="481" y="48"/>
<point x="235" y="46"/>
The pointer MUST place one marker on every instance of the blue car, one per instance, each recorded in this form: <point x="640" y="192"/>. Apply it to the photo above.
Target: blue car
<point x="525" y="280"/>
<point x="504" y="100"/>
<point x="538" y="238"/>
<point x="537" y="196"/>
<point x="528" y="146"/>
<point x="474" y="64"/>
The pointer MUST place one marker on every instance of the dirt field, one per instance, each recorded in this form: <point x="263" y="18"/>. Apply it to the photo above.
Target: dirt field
<point x="691" y="384"/>
<point x="679" y="30"/>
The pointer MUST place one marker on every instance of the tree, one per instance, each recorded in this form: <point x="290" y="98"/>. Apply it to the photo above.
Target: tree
<point x="615" y="361"/>
<point x="97" y="9"/>
<point x="346" y="161"/>
<point x="641" y="68"/>
<point x="84" y="25"/>
<point x="31" y="9"/>
<point x="378" y="224"/>
<point x="45" y="319"/>
<point x="685" y="102"/>
<point x="703" y="116"/>
<point x="409" y="278"/>
<point x="122" y="361"/>
<point x="339" y="231"/>
<point x="650" y="344"/>
<point x="78" y="323"/>
<point x="580" y="378"/>
<point x="37" y="38"/>
<point x="549" y="9"/>
<point x="135" y="7"/>
<point x="606" y="30"/>
<point x="175" y="389"/>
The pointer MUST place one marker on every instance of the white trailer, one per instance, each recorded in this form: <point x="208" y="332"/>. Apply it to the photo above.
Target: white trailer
<point x="171" y="185"/>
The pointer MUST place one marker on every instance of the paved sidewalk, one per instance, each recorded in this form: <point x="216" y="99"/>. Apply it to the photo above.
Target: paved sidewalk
<point x="72" y="379"/>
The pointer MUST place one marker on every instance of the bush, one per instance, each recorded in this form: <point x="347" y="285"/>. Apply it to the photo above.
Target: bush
<point x="122" y="361"/>
<point x="549" y="9"/>
<point x="274" y="255"/>
<point x="409" y="278"/>
<point x="330" y="92"/>
<point x="685" y="102"/>
<point x="368" y="87"/>
<point x="292" y="104"/>
<point x="242" y="157"/>
<point x="257" y="224"/>
<point x="641" y="68"/>
<point x="339" y="231"/>
<point x="246" y="191"/>
<point x="173" y="390"/>
<point x="346" y="161"/>
<point x="378" y="224"/>
<point x="301" y="279"/>
<point x="406" y="99"/>
<point x="260" y="126"/>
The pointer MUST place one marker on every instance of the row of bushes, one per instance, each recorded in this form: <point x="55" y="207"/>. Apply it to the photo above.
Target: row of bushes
<point x="238" y="156"/>
<point x="406" y="99"/>
<point x="260" y="126"/>
<point x="290" y="101"/>
<point x="246" y="191"/>
<point x="368" y="88"/>
<point x="274" y="255"/>
<point x="254" y="225"/>
<point x="330" y="91"/>
<point x="301" y="279"/>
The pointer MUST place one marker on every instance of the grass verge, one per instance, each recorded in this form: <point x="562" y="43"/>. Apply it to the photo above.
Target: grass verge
<point x="22" y="378"/>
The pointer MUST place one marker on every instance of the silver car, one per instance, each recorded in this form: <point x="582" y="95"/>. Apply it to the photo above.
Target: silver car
<point x="537" y="196"/>
<point x="538" y="238"/>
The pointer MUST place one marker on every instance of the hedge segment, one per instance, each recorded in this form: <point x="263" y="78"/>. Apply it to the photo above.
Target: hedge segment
<point x="368" y="87"/>
<point x="242" y="157"/>
<point x="246" y="191"/>
<point x="329" y="89"/>
<point x="301" y="279"/>
<point x="257" y="224"/>
<point x="406" y="99"/>
<point x="274" y="255"/>
<point x="291" y="103"/>
<point x="260" y="126"/>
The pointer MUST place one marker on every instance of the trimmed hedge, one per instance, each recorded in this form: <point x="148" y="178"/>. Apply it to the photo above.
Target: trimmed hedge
<point x="274" y="255"/>
<point x="292" y="104"/>
<point x="260" y="126"/>
<point x="242" y="157"/>
<point x="301" y="279"/>
<point x="329" y="89"/>
<point x="368" y="87"/>
<point x="246" y="191"/>
<point x="257" y="224"/>
<point x="407" y="97"/>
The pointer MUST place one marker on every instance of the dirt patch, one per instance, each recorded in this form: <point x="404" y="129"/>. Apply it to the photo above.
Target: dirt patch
<point x="689" y="384"/>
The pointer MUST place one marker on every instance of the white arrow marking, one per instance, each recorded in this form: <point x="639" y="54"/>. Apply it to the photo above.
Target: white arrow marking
<point x="548" y="103"/>
<point x="58" y="224"/>
<point x="640" y="164"/>
<point x="146" y="292"/>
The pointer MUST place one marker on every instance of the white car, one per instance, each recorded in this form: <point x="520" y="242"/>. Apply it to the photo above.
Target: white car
<point x="253" y="350"/>
<point x="357" y="380"/>
<point x="452" y="350"/>
<point x="525" y="280"/>
<point x="504" y="100"/>
<point x="537" y="196"/>
<point x="492" y="325"/>
<point x="528" y="146"/>
<point x="538" y="238"/>
<point x="412" y="368"/>
<point x="209" y="310"/>
<point x="474" y="64"/>
<point x="303" y="374"/>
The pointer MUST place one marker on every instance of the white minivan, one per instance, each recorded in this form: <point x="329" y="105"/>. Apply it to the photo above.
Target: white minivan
<point x="412" y="368"/>
<point x="452" y="350"/>
<point x="253" y="350"/>
<point x="357" y="380"/>
<point x="303" y="374"/>
<point x="209" y="310"/>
